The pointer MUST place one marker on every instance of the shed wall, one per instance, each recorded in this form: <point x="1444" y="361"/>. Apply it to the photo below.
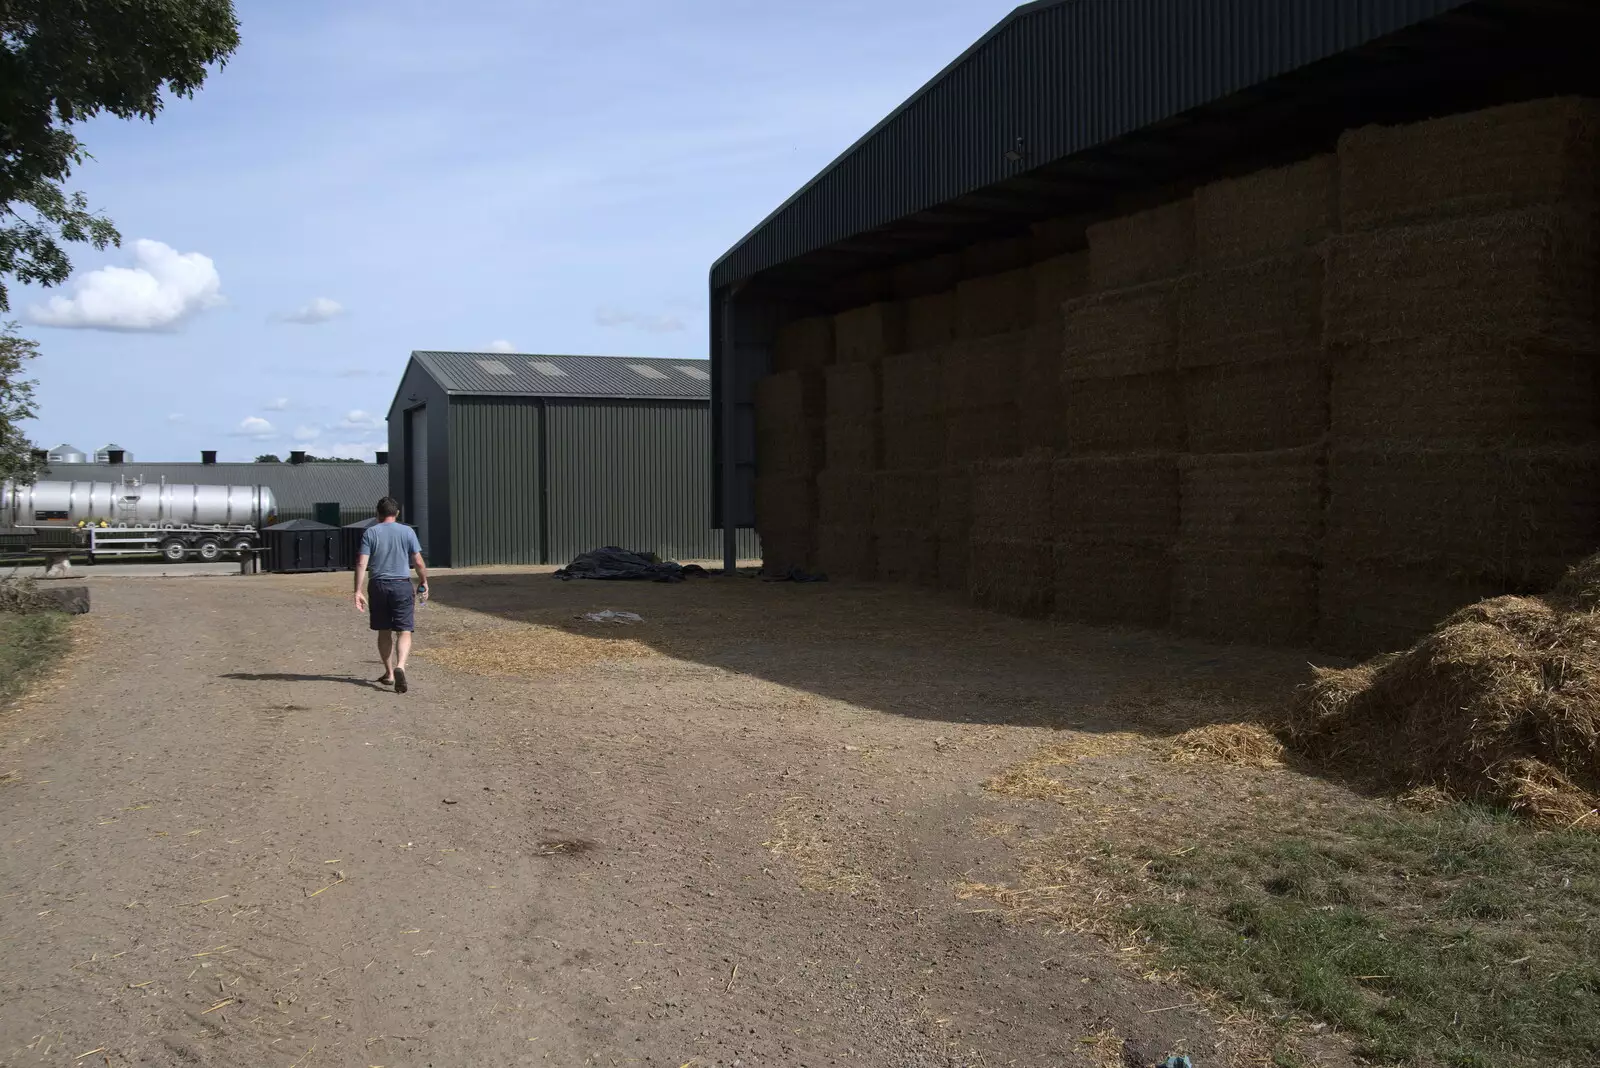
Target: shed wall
<point x="495" y="457"/>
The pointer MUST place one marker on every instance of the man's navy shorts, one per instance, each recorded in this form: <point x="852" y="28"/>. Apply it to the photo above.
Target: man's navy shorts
<point x="392" y="604"/>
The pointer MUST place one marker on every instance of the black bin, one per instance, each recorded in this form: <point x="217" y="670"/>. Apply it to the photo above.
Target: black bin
<point x="302" y="545"/>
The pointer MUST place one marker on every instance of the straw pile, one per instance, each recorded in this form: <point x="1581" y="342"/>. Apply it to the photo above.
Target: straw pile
<point x="954" y="526"/>
<point x="1255" y="501"/>
<point x="1513" y="516"/>
<point x="1368" y="606"/>
<point x="1270" y="309"/>
<point x="868" y="334"/>
<point x="913" y="426"/>
<point x="1140" y="413"/>
<point x="1012" y="559"/>
<point x="994" y="304"/>
<point x="1267" y="213"/>
<point x="1143" y="247"/>
<point x="1480" y="163"/>
<point x="1261" y="598"/>
<point x="1500" y="703"/>
<point x="804" y="345"/>
<point x="1243" y="745"/>
<point x="1274" y="404"/>
<point x="1455" y="389"/>
<point x="930" y="321"/>
<point x="1114" y="520"/>
<point x="1528" y="274"/>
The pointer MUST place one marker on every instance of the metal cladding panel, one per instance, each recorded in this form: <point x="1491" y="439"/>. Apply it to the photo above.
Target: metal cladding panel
<point x="1065" y="76"/>
<point x="414" y="505"/>
<point x="494" y="481"/>
<point x="567" y="376"/>
<point x="635" y="474"/>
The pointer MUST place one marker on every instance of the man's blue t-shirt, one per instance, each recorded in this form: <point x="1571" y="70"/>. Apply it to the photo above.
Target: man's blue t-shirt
<point x="390" y="546"/>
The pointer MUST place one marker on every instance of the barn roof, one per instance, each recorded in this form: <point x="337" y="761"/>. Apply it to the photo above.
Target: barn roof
<point x="524" y="375"/>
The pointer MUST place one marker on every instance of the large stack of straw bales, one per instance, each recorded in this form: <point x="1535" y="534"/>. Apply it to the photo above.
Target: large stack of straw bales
<point x="1328" y="402"/>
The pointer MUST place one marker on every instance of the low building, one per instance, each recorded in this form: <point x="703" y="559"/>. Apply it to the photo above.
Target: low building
<point x="525" y="459"/>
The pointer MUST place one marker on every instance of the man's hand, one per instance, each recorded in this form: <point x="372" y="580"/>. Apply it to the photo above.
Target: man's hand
<point x="361" y="601"/>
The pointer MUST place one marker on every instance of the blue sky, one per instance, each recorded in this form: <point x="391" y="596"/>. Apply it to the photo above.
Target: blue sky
<point x="367" y="178"/>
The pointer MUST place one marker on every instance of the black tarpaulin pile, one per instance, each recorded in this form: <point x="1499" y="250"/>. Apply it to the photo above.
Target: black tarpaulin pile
<point x="623" y="565"/>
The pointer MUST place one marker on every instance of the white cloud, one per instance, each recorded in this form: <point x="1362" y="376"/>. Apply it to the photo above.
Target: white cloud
<point x="360" y="420"/>
<point x="501" y="346"/>
<point x="354" y="372"/>
<point x="176" y="417"/>
<point x="160" y="291"/>
<point x="277" y="404"/>
<point x="255" y="427"/>
<point x="650" y="324"/>
<point x="307" y="433"/>
<point x="320" y="310"/>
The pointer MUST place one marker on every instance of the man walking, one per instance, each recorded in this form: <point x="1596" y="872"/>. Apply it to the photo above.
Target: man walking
<point x="392" y="550"/>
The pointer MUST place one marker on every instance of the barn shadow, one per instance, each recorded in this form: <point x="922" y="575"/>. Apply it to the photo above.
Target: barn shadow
<point x="912" y="652"/>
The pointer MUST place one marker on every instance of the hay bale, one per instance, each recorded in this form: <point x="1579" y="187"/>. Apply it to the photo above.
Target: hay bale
<point x="930" y="321"/>
<point x="982" y="434"/>
<point x="954" y="557"/>
<point x="1454" y="389"/>
<point x="1515" y="516"/>
<point x="790" y="397"/>
<point x="1270" y="309"/>
<point x="869" y="333"/>
<point x="1017" y="577"/>
<point x="784" y="550"/>
<point x="1130" y="500"/>
<point x="1255" y="501"/>
<point x="909" y="556"/>
<point x="911" y="384"/>
<point x="786" y="502"/>
<point x="995" y="256"/>
<point x="1477" y="163"/>
<point x="1011" y="499"/>
<point x="1527" y="275"/>
<point x="1113" y="584"/>
<point x="1250" y="407"/>
<point x="1056" y="281"/>
<point x="913" y="443"/>
<point x="847" y="552"/>
<point x="1368" y="606"/>
<point x="955" y="502"/>
<point x="1038" y="391"/>
<point x="846" y="498"/>
<point x="804" y="344"/>
<point x="1250" y="597"/>
<point x="906" y="500"/>
<point x="1268" y="213"/>
<point x="994" y="304"/>
<point x="1142" y="247"/>
<point x="981" y="373"/>
<point x="922" y="277"/>
<point x="1141" y="413"/>
<point x="790" y="448"/>
<point x="852" y="391"/>
<point x="853" y="444"/>
<point x="1127" y="332"/>
<point x="1497" y="703"/>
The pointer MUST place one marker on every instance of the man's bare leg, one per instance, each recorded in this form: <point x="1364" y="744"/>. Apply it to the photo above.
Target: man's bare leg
<point x="386" y="653"/>
<point x="402" y="650"/>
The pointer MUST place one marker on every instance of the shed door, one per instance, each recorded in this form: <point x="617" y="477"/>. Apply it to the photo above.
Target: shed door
<point x="416" y="512"/>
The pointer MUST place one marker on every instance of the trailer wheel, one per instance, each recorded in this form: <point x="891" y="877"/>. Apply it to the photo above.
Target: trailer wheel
<point x="174" y="550"/>
<point x="209" y="549"/>
<point x="240" y="546"/>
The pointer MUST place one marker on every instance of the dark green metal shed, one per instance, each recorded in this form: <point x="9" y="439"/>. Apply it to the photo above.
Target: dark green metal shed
<point x="525" y="459"/>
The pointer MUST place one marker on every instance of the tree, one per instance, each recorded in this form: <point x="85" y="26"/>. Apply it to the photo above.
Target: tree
<point x="16" y="404"/>
<point x="268" y="458"/>
<point x="62" y="62"/>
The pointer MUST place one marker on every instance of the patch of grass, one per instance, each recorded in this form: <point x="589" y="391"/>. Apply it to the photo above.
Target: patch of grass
<point x="1460" y="938"/>
<point x="29" y="643"/>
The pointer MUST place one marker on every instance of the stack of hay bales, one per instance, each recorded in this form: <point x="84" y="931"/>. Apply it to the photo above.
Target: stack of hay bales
<point x="1461" y="322"/>
<point x="1114" y="523"/>
<point x="1011" y="563"/>
<point x="978" y="397"/>
<point x="789" y="412"/>
<point x="1039" y="399"/>
<point x="1255" y="402"/>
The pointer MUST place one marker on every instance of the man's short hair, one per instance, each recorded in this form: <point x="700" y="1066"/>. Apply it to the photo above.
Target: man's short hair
<point x="388" y="508"/>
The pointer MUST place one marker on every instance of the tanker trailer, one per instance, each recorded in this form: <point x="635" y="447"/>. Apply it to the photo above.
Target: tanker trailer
<point x="133" y="517"/>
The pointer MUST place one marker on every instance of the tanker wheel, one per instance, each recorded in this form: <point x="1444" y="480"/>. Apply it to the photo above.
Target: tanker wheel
<point x="174" y="551"/>
<point x="240" y="546"/>
<point x="209" y="549"/>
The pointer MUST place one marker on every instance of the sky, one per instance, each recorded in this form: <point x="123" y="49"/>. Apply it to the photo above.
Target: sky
<point x="371" y="177"/>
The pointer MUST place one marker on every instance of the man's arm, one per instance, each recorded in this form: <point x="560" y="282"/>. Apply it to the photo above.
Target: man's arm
<point x="422" y="568"/>
<point x="361" y="580"/>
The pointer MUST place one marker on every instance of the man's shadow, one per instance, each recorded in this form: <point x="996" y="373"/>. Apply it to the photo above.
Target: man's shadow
<point x="279" y="676"/>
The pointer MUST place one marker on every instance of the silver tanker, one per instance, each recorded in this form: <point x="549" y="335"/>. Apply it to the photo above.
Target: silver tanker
<point x="44" y="505"/>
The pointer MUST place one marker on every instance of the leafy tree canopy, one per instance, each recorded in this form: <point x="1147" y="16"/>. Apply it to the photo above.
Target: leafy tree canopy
<point x="16" y="404"/>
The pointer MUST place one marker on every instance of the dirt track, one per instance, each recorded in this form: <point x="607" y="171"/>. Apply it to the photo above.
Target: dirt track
<point x="224" y="847"/>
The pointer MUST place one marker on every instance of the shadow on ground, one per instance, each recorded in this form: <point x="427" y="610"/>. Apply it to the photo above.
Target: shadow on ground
<point x="278" y="676"/>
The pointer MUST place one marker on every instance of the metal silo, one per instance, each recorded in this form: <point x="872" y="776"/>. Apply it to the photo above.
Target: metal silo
<point x="104" y="455"/>
<point x="66" y="454"/>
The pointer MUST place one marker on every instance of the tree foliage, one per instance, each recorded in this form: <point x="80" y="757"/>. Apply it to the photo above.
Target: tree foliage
<point x="268" y="458"/>
<point x="62" y="62"/>
<point x="16" y="404"/>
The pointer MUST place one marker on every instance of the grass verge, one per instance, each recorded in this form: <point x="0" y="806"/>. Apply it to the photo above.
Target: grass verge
<point x="29" y="643"/>
<point x="1458" y="938"/>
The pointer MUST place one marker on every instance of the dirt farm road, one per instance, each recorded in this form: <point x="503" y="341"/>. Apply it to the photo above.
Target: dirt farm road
<point x="223" y="846"/>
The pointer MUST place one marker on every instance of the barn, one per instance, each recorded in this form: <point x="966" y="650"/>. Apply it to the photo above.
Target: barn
<point x="529" y="459"/>
<point x="1261" y="321"/>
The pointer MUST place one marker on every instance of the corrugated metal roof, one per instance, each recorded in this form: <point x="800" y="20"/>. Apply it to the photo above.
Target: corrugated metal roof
<point x="1056" y="78"/>
<point x="525" y="375"/>
<point x="296" y="487"/>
